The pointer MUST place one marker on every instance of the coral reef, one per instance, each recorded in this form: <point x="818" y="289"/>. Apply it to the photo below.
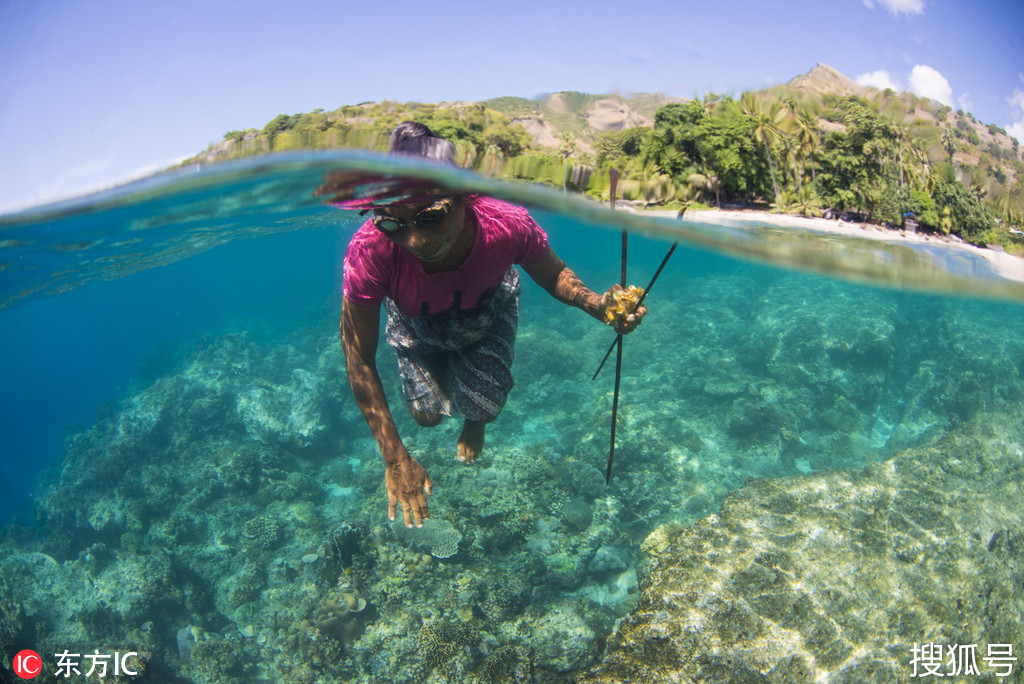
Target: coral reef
<point x="216" y="661"/>
<point x="505" y="664"/>
<point x="263" y="531"/>
<point x="228" y="520"/>
<point x="442" y="641"/>
<point x="341" y="614"/>
<point x="837" y="576"/>
<point x="439" y="537"/>
<point x="285" y="414"/>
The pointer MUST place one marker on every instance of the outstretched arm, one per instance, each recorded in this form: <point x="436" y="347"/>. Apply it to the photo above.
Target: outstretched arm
<point x="405" y="479"/>
<point x="553" y="275"/>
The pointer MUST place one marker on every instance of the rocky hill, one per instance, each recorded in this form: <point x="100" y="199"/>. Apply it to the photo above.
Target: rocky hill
<point x="550" y="118"/>
<point x="823" y="79"/>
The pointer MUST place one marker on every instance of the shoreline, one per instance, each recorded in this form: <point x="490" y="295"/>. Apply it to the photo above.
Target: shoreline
<point x="1003" y="264"/>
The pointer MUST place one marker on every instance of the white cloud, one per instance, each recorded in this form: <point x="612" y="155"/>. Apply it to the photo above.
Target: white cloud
<point x="1016" y="129"/>
<point x="927" y="82"/>
<point x="904" y="6"/>
<point x="923" y="81"/>
<point x="1017" y="99"/>
<point x="878" y="79"/>
<point x="965" y="102"/>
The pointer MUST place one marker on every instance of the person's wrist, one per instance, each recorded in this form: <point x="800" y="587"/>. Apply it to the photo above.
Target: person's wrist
<point x="396" y="457"/>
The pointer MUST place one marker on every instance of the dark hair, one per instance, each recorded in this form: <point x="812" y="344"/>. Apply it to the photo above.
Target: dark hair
<point x="417" y="140"/>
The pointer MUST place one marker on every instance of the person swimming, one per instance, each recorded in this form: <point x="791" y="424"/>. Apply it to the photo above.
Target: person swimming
<point x="443" y="268"/>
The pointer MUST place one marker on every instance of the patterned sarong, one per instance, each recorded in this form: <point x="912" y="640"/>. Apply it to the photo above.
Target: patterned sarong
<point x="458" y="361"/>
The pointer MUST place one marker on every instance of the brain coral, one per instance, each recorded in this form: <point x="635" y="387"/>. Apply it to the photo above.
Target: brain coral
<point x="263" y="530"/>
<point x="440" y="641"/>
<point x="439" y="537"/>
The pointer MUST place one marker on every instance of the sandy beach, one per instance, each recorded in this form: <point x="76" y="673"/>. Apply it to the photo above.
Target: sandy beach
<point x="1006" y="265"/>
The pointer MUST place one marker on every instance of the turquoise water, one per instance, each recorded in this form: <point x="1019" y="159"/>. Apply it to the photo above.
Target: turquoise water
<point x="192" y="480"/>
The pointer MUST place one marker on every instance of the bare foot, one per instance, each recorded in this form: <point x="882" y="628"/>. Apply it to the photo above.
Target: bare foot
<point x="471" y="441"/>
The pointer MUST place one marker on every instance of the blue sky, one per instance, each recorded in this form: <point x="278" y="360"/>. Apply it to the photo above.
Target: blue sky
<point x="94" y="92"/>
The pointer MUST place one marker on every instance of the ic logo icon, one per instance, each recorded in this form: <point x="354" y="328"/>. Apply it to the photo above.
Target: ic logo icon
<point x="27" y="664"/>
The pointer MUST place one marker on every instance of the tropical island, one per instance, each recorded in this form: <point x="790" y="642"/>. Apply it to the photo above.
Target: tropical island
<point x="819" y="145"/>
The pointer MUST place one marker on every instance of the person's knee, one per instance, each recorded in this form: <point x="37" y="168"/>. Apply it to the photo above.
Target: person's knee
<point x="425" y="419"/>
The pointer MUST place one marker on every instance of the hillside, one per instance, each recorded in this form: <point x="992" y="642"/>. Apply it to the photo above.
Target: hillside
<point x="820" y="141"/>
<point x="976" y="144"/>
<point x="545" y="122"/>
<point x="585" y="117"/>
<point x="549" y="119"/>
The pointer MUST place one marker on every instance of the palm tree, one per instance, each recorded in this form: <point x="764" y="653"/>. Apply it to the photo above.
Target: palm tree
<point x="949" y="142"/>
<point x="804" y="202"/>
<point x="918" y="168"/>
<point x="901" y="139"/>
<point x="788" y="123"/>
<point x="808" y="137"/>
<point x="566" y="148"/>
<point x="1001" y="202"/>
<point x="706" y="182"/>
<point x="653" y="181"/>
<point x="708" y="102"/>
<point x="765" y="131"/>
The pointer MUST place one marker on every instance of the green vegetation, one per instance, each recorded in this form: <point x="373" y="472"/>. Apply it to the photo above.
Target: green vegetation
<point x="876" y="154"/>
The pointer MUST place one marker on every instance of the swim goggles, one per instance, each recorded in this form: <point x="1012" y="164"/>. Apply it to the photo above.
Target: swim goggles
<point x="427" y="217"/>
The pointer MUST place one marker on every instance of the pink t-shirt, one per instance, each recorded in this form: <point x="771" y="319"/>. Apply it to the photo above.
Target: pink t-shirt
<point x="376" y="268"/>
